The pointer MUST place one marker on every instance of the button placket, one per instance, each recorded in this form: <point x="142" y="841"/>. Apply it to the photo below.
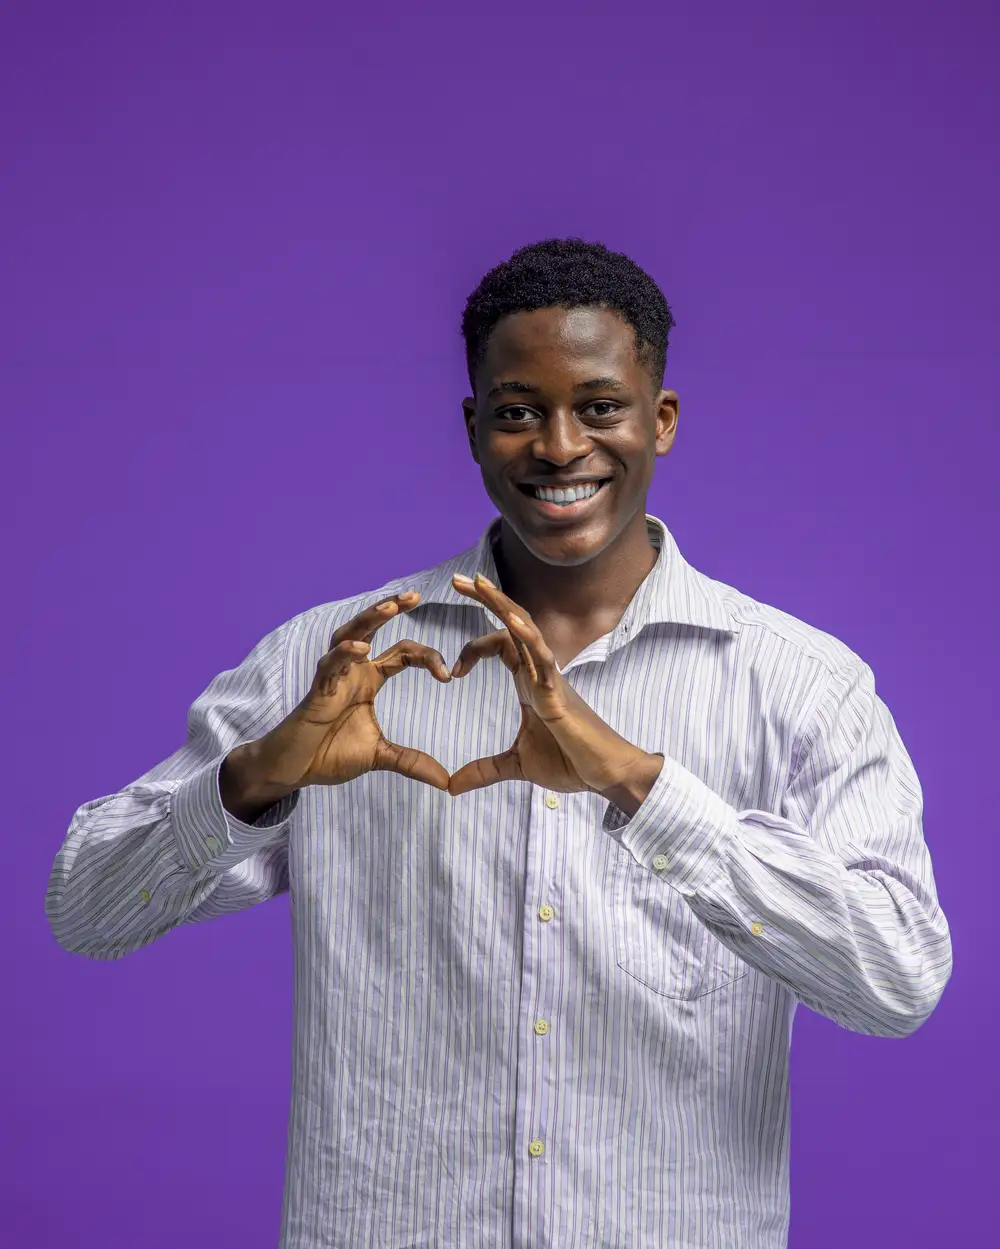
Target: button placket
<point x="538" y="989"/>
<point x="545" y="913"/>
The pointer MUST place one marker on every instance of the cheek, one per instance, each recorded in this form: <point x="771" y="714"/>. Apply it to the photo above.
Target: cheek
<point x="491" y="465"/>
<point x="636" y="450"/>
<point x="497" y="453"/>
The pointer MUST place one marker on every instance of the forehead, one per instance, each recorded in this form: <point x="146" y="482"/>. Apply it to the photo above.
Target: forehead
<point x="560" y="339"/>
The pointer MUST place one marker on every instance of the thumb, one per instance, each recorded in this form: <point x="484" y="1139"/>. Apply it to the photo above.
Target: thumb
<point x="489" y="771"/>
<point x="407" y="761"/>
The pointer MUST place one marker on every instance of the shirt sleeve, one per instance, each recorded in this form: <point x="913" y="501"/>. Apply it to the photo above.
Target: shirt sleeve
<point x="164" y="851"/>
<point x="834" y="897"/>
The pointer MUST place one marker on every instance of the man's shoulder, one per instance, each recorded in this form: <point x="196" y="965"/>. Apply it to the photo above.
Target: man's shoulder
<point x="785" y="640"/>
<point x="324" y="618"/>
<point x="796" y="638"/>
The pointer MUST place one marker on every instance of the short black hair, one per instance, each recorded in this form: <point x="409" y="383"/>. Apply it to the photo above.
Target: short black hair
<point x="570" y="273"/>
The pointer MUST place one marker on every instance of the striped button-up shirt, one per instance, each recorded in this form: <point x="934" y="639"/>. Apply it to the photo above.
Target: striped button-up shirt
<point x="522" y="1020"/>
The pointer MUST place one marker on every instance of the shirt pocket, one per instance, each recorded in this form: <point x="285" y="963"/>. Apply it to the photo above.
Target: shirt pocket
<point x="660" y="942"/>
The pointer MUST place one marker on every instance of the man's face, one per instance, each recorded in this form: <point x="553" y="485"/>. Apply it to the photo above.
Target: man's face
<point x="562" y="400"/>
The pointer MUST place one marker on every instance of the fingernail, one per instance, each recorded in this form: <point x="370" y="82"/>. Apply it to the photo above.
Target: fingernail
<point x="466" y="580"/>
<point x="485" y="580"/>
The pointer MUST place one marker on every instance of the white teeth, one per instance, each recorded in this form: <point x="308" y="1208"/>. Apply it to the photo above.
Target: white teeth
<point x="573" y="495"/>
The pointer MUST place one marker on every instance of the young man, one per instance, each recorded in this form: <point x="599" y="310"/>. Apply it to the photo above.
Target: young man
<point x="547" y="952"/>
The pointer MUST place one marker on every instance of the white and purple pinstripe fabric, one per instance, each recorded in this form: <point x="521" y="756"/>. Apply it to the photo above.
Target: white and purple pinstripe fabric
<point x="524" y="1022"/>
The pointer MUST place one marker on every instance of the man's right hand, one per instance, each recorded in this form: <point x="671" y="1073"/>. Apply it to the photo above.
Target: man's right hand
<point x="333" y="736"/>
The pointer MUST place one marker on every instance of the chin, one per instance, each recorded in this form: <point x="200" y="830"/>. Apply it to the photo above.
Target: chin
<point x="565" y="546"/>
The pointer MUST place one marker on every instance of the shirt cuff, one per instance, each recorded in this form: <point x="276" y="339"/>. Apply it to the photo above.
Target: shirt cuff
<point x="682" y="831"/>
<point x="210" y="837"/>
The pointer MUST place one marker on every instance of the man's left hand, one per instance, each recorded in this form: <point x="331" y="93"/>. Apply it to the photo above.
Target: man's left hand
<point x="562" y="744"/>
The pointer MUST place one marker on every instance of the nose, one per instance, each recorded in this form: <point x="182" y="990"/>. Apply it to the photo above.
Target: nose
<point x="561" y="439"/>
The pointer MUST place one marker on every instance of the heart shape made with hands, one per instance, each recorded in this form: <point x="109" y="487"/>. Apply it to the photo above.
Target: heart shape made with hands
<point x="562" y="744"/>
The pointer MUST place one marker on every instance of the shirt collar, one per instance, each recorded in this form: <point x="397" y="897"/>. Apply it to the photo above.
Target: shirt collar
<point x="672" y="593"/>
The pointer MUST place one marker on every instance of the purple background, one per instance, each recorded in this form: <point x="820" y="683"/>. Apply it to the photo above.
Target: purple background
<point x="236" y="241"/>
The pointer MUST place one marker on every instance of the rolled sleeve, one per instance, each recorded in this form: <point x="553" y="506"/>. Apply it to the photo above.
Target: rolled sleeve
<point x="682" y="821"/>
<point x="163" y="850"/>
<point x="209" y="837"/>
<point x="839" y="883"/>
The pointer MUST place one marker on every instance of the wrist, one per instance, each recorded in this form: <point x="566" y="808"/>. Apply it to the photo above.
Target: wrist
<point x="244" y="787"/>
<point x="637" y="779"/>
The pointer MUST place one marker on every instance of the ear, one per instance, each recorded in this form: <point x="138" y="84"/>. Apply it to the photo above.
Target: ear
<point x="469" y="413"/>
<point x="667" y="411"/>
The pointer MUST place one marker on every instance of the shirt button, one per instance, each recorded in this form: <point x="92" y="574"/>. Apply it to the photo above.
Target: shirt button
<point x="551" y="801"/>
<point x="145" y="895"/>
<point x="541" y="1027"/>
<point x="756" y="929"/>
<point x="545" y="913"/>
<point x="536" y="1149"/>
<point x="212" y="845"/>
<point x="660" y="861"/>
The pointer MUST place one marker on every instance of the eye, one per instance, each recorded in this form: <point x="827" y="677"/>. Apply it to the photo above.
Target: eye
<point x="518" y="413"/>
<point x="601" y="408"/>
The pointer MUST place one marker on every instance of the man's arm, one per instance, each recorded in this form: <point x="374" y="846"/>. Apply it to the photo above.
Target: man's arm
<point x="835" y="897"/>
<point x="165" y="850"/>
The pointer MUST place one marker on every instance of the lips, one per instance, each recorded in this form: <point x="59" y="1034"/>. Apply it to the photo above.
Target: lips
<point x="564" y="511"/>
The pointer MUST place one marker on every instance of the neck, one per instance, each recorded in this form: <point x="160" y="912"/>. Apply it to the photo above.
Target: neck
<point x="597" y="591"/>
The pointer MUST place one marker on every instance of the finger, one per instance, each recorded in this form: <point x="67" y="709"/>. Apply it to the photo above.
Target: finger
<point x="482" y="772"/>
<point x="486" y="647"/>
<point x="484" y="591"/>
<point x="337" y="663"/>
<point x="501" y="603"/>
<point x="407" y="761"/>
<point x="531" y="645"/>
<point x="364" y="626"/>
<point x="468" y="587"/>
<point x="518" y="630"/>
<point x="528" y="640"/>
<point x="539" y="656"/>
<point x="409" y="654"/>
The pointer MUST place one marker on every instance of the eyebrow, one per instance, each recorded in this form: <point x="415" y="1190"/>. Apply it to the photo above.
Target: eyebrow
<point x="525" y="388"/>
<point x="511" y="388"/>
<point x="603" y="383"/>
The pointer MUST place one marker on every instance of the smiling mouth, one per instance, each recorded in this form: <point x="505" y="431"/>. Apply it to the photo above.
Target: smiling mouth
<point x="555" y="499"/>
